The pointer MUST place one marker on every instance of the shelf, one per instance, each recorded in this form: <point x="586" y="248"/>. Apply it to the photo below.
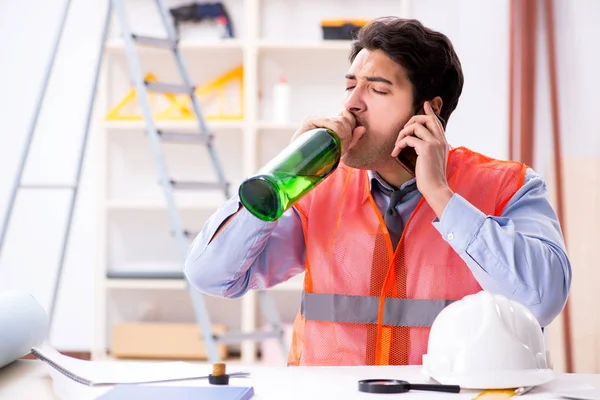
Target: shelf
<point x="193" y="125"/>
<point x="268" y="125"/>
<point x="233" y="359"/>
<point x="118" y="205"/>
<point x="183" y="124"/>
<point x="145" y="284"/>
<point x="325" y="45"/>
<point x="296" y="283"/>
<point x="117" y="45"/>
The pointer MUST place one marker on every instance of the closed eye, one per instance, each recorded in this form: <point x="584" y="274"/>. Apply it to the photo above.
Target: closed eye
<point x="378" y="92"/>
<point x="349" y="88"/>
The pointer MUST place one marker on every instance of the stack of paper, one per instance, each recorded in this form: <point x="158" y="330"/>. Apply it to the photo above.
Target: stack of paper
<point x="94" y="373"/>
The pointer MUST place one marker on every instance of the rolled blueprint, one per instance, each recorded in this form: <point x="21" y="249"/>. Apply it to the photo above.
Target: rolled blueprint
<point x="23" y="325"/>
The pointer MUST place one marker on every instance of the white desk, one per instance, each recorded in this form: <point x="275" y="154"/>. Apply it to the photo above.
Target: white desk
<point x="26" y="379"/>
<point x="30" y="379"/>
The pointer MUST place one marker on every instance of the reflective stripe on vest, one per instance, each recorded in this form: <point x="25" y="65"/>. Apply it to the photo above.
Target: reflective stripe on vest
<point x="364" y="309"/>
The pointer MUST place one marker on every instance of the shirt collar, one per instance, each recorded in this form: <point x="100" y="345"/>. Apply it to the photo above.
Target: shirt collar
<point x="374" y="176"/>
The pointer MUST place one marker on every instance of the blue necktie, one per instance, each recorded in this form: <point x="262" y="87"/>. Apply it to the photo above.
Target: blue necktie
<point x="392" y="218"/>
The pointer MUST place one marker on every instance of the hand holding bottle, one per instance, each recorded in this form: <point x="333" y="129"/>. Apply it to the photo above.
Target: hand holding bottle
<point x="313" y="154"/>
<point x="344" y="125"/>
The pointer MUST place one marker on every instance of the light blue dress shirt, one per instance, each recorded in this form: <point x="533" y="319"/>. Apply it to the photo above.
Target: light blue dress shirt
<point x="520" y="254"/>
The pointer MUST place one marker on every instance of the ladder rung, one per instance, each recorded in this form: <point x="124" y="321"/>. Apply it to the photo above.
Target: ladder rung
<point x="180" y="137"/>
<point x="154" y="41"/>
<point x="198" y="185"/>
<point x="169" y="88"/>
<point x="237" y="337"/>
<point x="43" y="186"/>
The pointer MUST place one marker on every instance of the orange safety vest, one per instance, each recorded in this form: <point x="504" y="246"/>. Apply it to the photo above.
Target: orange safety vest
<point x="363" y="303"/>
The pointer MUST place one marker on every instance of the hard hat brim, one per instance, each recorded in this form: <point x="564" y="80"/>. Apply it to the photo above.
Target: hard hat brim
<point x="493" y="379"/>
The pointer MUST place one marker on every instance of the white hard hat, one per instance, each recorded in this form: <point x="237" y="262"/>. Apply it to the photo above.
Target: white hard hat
<point x="485" y="341"/>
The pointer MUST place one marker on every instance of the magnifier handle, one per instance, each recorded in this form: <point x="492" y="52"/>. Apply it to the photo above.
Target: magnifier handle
<point x="436" y="388"/>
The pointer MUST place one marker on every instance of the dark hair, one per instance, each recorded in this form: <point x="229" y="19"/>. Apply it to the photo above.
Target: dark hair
<point x="428" y="57"/>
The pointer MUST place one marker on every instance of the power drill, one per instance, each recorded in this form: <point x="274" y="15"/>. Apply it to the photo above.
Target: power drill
<point x="196" y="12"/>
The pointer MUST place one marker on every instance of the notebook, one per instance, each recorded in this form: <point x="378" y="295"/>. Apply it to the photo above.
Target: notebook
<point x="95" y="373"/>
<point x="148" y="392"/>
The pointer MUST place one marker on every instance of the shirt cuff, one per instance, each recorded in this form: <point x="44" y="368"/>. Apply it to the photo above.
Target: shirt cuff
<point x="245" y="217"/>
<point x="230" y="207"/>
<point x="459" y="223"/>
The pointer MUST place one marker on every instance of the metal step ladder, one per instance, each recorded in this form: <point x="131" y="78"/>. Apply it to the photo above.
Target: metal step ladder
<point x="156" y="137"/>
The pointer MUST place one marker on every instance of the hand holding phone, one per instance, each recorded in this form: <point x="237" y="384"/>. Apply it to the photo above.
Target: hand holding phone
<point x="407" y="157"/>
<point x="425" y="135"/>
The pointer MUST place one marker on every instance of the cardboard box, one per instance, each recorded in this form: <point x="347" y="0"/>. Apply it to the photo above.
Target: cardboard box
<point x="162" y="341"/>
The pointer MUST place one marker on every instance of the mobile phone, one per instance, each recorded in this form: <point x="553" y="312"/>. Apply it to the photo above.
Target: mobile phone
<point x="407" y="157"/>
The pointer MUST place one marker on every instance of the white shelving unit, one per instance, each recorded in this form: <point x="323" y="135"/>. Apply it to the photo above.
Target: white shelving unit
<point x="273" y="37"/>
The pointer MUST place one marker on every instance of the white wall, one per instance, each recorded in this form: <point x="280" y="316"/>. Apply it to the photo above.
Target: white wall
<point x="576" y="30"/>
<point x="30" y="256"/>
<point x="479" y="31"/>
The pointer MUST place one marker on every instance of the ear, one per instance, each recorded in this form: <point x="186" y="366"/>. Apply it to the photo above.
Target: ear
<point x="436" y="104"/>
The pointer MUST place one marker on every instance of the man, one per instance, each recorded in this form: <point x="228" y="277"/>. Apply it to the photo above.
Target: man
<point x="384" y="251"/>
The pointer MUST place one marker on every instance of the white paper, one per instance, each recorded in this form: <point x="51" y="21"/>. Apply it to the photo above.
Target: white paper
<point x="94" y="373"/>
<point x="23" y="325"/>
<point x="585" y="394"/>
<point x="551" y="390"/>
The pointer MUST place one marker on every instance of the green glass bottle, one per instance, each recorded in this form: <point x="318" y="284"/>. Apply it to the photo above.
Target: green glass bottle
<point x="284" y="180"/>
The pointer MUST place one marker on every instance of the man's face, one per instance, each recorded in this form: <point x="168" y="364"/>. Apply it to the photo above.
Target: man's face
<point x="379" y="95"/>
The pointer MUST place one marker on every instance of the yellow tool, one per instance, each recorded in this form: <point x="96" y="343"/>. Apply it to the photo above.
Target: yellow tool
<point x="179" y="106"/>
<point x="218" y="86"/>
<point x="117" y="112"/>
<point x="497" y="394"/>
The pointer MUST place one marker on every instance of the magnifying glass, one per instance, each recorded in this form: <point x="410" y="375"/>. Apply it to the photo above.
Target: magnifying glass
<point x="398" y="386"/>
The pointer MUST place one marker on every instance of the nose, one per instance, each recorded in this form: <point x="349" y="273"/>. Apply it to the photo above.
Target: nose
<point x="354" y="101"/>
